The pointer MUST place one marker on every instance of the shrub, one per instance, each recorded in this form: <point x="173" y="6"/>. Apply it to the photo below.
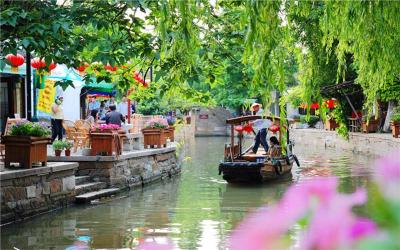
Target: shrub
<point x="26" y="128"/>
<point x="58" y="145"/>
<point x="313" y="119"/>
<point x="68" y="144"/>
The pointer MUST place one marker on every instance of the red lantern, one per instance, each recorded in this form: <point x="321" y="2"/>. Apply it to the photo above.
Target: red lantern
<point x="248" y="128"/>
<point x="37" y="63"/>
<point x="239" y="129"/>
<point x="110" y="68"/>
<point x="274" y="128"/>
<point x="315" y="105"/>
<point x="15" y="61"/>
<point x="331" y="103"/>
<point x="52" y="66"/>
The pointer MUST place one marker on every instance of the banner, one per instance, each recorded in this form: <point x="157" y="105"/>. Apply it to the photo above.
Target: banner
<point x="47" y="96"/>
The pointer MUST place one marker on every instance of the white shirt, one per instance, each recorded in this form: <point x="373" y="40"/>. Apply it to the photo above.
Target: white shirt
<point x="123" y="108"/>
<point x="261" y="123"/>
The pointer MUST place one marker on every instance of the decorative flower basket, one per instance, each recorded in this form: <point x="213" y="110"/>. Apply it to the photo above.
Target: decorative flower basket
<point x="371" y="127"/>
<point x="330" y="124"/>
<point x="25" y="150"/>
<point x="395" y="128"/>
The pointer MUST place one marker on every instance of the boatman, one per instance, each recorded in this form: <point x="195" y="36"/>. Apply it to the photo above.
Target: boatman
<point x="262" y="125"/>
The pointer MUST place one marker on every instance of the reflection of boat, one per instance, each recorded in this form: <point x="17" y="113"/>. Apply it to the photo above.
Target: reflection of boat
<point x="250" y="167"/>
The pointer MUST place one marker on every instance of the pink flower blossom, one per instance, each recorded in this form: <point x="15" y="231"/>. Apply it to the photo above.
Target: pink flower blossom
<point x="388" y="175"/>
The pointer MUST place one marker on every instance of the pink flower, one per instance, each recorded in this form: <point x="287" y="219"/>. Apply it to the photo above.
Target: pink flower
<point x="388" y="175"/>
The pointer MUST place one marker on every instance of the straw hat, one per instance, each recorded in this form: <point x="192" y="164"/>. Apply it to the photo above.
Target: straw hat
<point x="254" y="105"/>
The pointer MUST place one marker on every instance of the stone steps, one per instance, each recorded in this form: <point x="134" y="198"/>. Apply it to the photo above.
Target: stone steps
<point x="82" y="179"/>
<point x="87" y="197"/>
<point x="89" y="187"/>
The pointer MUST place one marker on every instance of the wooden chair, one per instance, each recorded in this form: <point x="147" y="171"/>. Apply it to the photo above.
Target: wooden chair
<point x="81" y="137"/>
<point x="70" y="128"/>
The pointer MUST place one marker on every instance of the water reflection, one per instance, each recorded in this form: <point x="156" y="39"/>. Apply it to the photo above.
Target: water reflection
<point x="196" y="210"/>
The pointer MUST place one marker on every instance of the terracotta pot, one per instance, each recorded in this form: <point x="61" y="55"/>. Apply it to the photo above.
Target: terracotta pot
<point x="330" y="124"/>
<point x="371" y="127"/>
<point x="68" y="152"/>
<point x="395" y="125"/>
<point x="57" y="152"/>
<point x="25" y="150"/>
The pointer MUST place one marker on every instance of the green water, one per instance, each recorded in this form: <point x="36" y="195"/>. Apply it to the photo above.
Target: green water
<point x="195" y="210"/>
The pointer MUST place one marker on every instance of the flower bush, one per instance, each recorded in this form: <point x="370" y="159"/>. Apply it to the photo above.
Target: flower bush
<point x="157" y="123"/>
<point x="325" y="216"/>
<point x="27" y="128"/>
<point x="104" y="127"/>
<point x="171" y="120"/>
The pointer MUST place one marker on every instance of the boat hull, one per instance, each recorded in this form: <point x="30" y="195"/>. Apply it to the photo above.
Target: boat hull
<point x="245" y="171"/>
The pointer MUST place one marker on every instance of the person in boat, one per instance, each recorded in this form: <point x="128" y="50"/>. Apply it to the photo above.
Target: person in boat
<point x="274" y="149"/>
<point x="262" y="125"/>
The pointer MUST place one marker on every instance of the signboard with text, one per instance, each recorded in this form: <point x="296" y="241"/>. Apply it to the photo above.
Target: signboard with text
<point x="203" y="116"/>
<point x="46" y="96"/>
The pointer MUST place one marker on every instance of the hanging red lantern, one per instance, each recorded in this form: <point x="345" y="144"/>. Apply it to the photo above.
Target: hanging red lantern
<point x="52" y="66"/>
<point x="15" y="61"/>
<point x="315" y="105"/>
<point x="37" y="63"/>
<point x="248" y="128"/>
<point x="274" y="128"/>
<point x="239" y="129"/>
<point x="110" y="68"/>
<point x="330" y="103"/>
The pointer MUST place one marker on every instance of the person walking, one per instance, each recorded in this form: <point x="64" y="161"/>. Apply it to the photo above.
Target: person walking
<point x="57" y="117"/>
<point x="262" y="125"/>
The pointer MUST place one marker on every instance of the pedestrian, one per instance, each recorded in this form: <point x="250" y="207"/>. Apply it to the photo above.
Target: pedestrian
<point x="93" y="104"/>
<point x="262" y="125"/>
<point x="123" y="106"/>
<point x="57" y="117"/>
<point x="114" y="117"/>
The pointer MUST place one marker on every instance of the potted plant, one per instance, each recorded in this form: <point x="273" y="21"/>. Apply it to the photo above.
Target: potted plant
<point x="105" y="140"/>
<point x="369" y="125"/>
<point x="330" y="123"/>
<point x="171" y="129"/>
<point x="58" y="146"/>
<point x="155" y="133"/>
<point x="395" y="123"/>
<point x="27" y="143"/>
<point x="68" y="145"/>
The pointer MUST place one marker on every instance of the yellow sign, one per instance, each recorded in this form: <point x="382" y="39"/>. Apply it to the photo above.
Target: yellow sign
<point x="46" y="96"/>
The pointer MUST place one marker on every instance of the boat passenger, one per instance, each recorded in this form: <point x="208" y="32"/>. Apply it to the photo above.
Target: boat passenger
<point x="274" y="149"/>
<point x="262" y="125"/>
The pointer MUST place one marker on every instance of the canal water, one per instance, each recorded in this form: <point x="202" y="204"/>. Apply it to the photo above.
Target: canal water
<point x="195" y="210"/>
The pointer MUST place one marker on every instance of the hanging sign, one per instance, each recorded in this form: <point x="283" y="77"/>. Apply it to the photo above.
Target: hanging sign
<point x="203" y="116"/>
<point x="47" y="96"/>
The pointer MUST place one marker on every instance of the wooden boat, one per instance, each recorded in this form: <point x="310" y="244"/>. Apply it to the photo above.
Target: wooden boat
<point x="246" y="166"/>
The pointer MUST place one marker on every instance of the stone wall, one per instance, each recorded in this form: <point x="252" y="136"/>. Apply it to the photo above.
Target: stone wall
<point x="376" y="144"/>
<point x="27" y="192"/>
<point x="133" y="169"/>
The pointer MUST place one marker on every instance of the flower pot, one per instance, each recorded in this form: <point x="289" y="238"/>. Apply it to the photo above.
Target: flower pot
<point x="68" y="152"/>
<point x="395" y="125"/>
<point x="171" y="130"/>
<point x="154" y="137"/>
<point x="57" y="152"/>
<point x="330" y="124"/>
<point x="371" y="127"/>
<point x="105" y="144"/>
<point x="25" y="150"/>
